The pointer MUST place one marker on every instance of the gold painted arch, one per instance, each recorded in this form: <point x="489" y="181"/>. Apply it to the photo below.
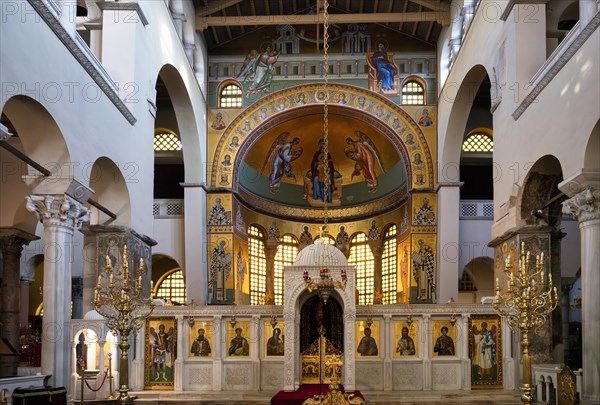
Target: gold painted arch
<point x="395" y="118"/>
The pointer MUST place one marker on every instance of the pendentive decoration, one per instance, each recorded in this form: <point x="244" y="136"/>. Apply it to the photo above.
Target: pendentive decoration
<point x="528" y="300"/>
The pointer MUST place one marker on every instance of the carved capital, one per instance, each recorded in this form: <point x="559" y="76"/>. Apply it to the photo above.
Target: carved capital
<point x="58" y="210"/>
<point x="12" y="240"/>
<point x="584" y="206"/>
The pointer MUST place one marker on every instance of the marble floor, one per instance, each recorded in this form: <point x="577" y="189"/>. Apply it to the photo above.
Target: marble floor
<point x="479" y="397"/>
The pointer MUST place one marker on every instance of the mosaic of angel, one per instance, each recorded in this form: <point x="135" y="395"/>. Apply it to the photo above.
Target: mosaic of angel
<point x="364" y="152"/>
<point x="484" y="353"/>
<point x="280" y="157"/>
<point x="258" y="70"/>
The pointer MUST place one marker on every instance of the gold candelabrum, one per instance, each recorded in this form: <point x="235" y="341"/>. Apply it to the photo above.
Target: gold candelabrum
<point x="120" y="299"/>
<point x="325" y="284"/>
<point x="528" y="300"/>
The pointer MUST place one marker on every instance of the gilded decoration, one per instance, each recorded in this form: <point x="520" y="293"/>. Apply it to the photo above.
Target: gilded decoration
<point x="220" y="256"/>
<point x="423" y="268"/>
<point x="160" y="353"/>
<point x="443" y="338"/>
<point x="238" y="339"/>
<point x="424" y="212"/>
<point x="406" y="338"/>
<point x="367" y="339"/>
<point x="485" y="351"/>
<point x="200" y="338"/>
<point x="219" y="212"/>
<point x="272" y="108"/>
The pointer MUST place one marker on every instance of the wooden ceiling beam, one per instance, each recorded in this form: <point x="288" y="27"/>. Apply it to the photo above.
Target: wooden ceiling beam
<point x="432" y="4"/>
<point x="216" y="6"/>
<point x="204" y="22"/>
<point x="404" y="10"/>
<point x="416" y="24"/>
<point x="239" y="11"/>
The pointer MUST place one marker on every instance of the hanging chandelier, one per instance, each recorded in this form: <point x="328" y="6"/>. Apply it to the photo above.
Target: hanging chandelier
<point x="325" y="284"/>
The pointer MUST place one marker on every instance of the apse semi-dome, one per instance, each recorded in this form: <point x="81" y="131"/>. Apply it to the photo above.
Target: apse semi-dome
<point x="320" y="254"/>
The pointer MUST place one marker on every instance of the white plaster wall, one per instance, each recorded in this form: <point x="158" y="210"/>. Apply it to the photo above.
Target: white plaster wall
<point x="474" y="235"/>
<point x="169" y="233"/>
<point x="133" y="55"/>
<point x="559" y="123"/>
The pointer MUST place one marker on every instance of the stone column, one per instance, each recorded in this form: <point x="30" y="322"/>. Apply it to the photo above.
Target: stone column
<point x="586" y="207"/>
<point x="448" y="252"/>
<point x="60" y="215"/>
<point x="11" y="245"/>
<point x="463" y="324"/>
<point x="24" y="303"/>
<point x="389" y="351"/>
<point x="77" y="297"/>
<point x="270" y="251"/>
<point x="196" y="280"/>
<point x="178" y="366"/>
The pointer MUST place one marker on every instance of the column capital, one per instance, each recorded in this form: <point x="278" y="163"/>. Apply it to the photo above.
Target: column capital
<point x="58" y="210"/>
<point x="12" y="240"/>
<point x="585" y="206"/>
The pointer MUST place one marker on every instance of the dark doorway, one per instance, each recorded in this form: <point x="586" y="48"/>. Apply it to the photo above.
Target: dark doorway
<point x="331" y="315"/>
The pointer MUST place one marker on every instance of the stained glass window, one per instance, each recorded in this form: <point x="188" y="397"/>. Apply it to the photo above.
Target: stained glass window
<point x="413" y="93"/>
<point x="231" y="96"/>
<point x="257" y="261"/>
<point x="172" y="286"/>
<point x="478" y="142"/>
<point x="362" y="257"/>
<point x="287" y="250"/>
<point x="166" y="141"/>
<point x="389" y="266"/>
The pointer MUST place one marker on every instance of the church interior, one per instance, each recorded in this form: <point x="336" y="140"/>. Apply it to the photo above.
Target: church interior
<point x="262" y="201"/>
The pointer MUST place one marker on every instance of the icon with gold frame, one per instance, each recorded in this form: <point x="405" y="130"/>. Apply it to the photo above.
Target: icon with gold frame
<point x="443" y="338"/>
<point x="201" y="339"/>
<point x="406" y="346"/>
<point x="367" y="339"/>
<point x="238" y="338"/>
<point x="274" y="340"/>
<point x="160" y="353"/>
<point x="485" y="351"/>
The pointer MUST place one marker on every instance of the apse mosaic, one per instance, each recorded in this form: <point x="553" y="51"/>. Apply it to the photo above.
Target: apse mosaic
<point x="272" y="152"/>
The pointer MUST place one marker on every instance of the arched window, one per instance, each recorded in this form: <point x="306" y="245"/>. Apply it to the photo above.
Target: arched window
<point x="362" y="257"/>
<point x="257" y="262"/>
<point x="230" y="95"/>
<point x="166" y="140"/>
<point x="413" y="91"/>
<point x="479" y="141"/>
<point x="389" y="266"/>
<point x="287" y="250"/>
<point x="171" y="286"/>
<point x="466" y="283"/>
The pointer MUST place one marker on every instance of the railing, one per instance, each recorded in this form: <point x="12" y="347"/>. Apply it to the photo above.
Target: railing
<point x="476" y="209"/>
<point x="290" y="66"/>
<point x="167" y="208"/>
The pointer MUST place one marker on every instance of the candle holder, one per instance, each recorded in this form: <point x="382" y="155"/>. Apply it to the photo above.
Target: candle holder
<point x="120" y="299"/>
<point x="326" y="284"/>
<point x="528" y="300"/>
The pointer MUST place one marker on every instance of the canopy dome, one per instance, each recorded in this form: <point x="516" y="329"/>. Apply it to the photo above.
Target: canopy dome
<point x="320" y="254"/>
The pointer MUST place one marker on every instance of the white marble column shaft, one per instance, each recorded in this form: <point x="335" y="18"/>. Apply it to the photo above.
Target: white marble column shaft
<point x="586" y="207"/>
<point x="448" y="247"/>
<point x="60" y="215"/>
<point x="196" y="278"/>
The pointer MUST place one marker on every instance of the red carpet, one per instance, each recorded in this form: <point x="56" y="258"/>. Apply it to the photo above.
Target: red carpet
<point x="304" y="392"/>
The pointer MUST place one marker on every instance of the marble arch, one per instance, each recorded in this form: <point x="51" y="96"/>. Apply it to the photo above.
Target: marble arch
<point x="296" y="295"/>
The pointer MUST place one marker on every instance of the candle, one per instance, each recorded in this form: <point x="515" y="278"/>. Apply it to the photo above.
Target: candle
<point x="542" y="277"/>
<point x="99" y="281"/>
<point x="110" y="279"/>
